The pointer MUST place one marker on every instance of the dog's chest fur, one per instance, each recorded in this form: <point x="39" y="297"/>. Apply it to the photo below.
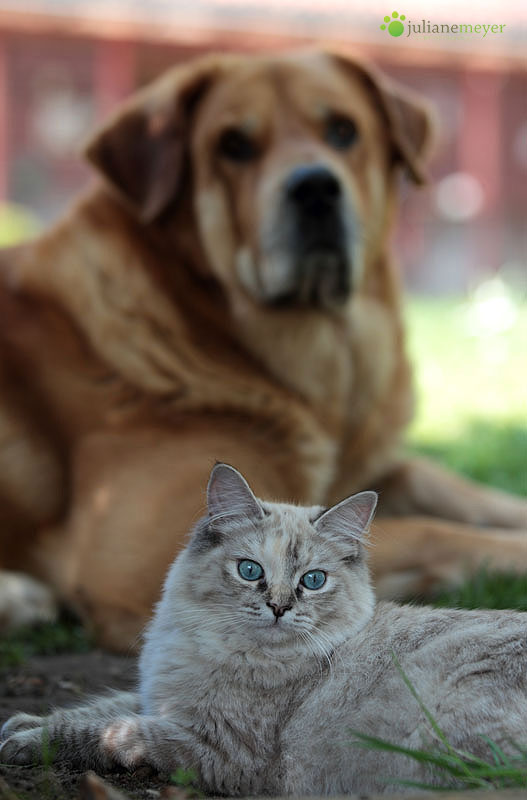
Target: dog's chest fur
<point x="340" y="365"/>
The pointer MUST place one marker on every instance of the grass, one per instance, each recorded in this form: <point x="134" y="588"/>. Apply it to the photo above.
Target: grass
<point x="65" y="636"/>
<point x="486" y="589"/>
<point x="469" y="359"/>
<point x="186" y="780"/>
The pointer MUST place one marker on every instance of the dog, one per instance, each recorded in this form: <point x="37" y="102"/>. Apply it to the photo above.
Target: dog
<point x="224" y="291"/>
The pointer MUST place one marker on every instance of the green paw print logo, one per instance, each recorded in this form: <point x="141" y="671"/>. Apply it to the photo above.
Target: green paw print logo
<point x="394" y="24"/>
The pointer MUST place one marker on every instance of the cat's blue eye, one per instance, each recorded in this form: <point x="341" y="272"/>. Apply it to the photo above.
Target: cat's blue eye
<point x="313" y="580"/>
<point x="250" y="570"/>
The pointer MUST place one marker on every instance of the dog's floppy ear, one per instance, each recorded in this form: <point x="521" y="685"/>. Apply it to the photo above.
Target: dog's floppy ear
<point x="141" y="150"/>
<point x="410" y="119"/>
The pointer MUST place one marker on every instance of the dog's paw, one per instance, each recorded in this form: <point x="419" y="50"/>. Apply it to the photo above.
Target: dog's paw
<point x="24" y="748"/>
<point x="19" y="722"/>
<point x="24" y="601"/>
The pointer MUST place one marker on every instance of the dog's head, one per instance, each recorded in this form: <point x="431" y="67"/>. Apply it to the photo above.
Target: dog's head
<point x="289" y="161"/>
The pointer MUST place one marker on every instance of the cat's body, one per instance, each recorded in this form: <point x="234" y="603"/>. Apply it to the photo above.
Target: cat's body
<point x="256" y="681"/>
<point x="288" y="730"/>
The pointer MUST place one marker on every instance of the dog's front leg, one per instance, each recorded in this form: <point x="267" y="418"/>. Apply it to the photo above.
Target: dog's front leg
<point x="418" y="486"/>
<point x="414" y="555"/>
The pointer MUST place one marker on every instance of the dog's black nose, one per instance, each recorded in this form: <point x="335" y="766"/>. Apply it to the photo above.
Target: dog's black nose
<point x="313" y="187"/>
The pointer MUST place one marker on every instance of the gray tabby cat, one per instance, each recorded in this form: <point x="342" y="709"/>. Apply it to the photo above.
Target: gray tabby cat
<point x="267" y="648"/>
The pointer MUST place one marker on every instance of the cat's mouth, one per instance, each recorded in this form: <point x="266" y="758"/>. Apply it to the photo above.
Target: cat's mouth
<point x="277" y="627"/>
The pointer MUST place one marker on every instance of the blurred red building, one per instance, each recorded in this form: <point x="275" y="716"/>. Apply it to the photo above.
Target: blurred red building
<point x="65" y="64"/>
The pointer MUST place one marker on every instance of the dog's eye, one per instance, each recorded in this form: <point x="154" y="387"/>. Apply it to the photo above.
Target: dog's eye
<point x="341" y="131"/>
<point x="236" y="146"/>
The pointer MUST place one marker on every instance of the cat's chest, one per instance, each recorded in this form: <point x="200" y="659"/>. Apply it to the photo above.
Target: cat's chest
<point x="227" y="697"/>
<point x="250" y="716"/>
<point x="241" y="725"/>
<point x="247" y="708"/>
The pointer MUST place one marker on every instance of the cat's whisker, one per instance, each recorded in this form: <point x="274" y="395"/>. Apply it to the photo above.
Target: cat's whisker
<point x="324" y="636"/>
<point x="318" y="649"/>
<point x="195" y="621"/>
<point x="333" y="653"/>
<point x="306" y="640"/>
<point x="326" y="647"/>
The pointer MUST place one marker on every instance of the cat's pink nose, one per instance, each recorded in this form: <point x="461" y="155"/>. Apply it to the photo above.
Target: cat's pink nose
<point x="279" y="611"/>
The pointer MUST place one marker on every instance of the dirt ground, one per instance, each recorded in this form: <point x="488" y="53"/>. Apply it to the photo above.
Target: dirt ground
<point x="44" y="682"/>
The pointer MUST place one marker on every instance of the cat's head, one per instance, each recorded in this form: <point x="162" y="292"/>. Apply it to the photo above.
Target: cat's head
<point x="274" y="574"/>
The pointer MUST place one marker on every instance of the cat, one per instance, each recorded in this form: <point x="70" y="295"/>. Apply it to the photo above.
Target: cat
<point x="267" y="650"/>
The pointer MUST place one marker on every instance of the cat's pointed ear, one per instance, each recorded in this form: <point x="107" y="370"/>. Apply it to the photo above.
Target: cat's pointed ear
<point x="229" y="494"/>
<point x="350" y="517"/>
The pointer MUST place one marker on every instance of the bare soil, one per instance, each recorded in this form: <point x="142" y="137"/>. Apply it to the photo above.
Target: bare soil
<point x="46" y="682"/>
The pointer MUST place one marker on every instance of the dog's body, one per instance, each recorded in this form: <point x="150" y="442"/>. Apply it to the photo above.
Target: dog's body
<point x="226" y="293"/>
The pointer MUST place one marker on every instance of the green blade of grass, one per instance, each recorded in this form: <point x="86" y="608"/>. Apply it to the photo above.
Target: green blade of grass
<point x="497" y="753"/>
<point x="438" y="759"/>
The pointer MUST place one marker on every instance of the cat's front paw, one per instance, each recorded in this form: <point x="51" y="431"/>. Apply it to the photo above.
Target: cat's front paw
<point x="19" y="722"/>
<point x="123" y="743"/>
<point x="24" y="747"/>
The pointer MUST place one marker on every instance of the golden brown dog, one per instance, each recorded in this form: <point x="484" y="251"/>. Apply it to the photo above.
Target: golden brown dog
<point x="224" y="292"/>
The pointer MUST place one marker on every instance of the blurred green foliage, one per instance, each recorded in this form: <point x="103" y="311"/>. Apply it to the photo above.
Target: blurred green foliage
<point x="17" y="224"/>
<point x="470" y="360"/>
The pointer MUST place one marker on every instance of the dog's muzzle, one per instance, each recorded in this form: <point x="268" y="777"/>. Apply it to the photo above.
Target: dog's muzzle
<point x="318" y="243"/>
